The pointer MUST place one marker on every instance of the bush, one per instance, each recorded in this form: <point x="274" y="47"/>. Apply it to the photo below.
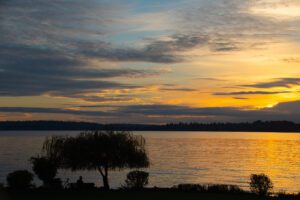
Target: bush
<point x="21" y="179"/>
<point x="261" y="184"/>
<point x="191" y="187"/>
<point x="137" y="179"/>
<point x="215" y="188"/>
<point x="45" y="169"/>
<point x="222" y="188"/>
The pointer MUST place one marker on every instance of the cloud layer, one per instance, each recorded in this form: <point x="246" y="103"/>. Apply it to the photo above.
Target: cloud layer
<point x="163" y="113"/>
<point x="142" y="59"/>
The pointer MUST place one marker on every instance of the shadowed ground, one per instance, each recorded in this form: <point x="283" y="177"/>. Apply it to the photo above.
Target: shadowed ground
<point x="124" y="195"/>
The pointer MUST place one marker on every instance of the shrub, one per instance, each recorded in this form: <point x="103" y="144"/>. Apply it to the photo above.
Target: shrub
<point x="215" y="188"/>
<point x="21" y="179"/>
<point x="137" y="179"/>
<point x="45" y="169"/>
<point x="191" y="187"/>
<point x="223" y="188"/>
<point x="261" y="184"/>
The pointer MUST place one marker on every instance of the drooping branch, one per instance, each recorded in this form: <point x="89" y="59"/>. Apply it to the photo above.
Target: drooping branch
<point x="113" y="150"/>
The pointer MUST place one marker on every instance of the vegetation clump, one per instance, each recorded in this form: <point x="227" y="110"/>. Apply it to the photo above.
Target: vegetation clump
<point x="21" y="179"/>
<point x="137" y="179"/>
<point x="46" y="170"/>
<point x="213" y="188"/>
<point x="261" y="184"/>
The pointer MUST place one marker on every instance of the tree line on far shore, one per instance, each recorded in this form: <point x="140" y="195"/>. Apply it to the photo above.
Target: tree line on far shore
<point x="258" y="126"/>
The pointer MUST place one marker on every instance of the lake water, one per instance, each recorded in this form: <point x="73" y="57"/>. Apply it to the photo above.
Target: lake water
<point x="182" y="157"/>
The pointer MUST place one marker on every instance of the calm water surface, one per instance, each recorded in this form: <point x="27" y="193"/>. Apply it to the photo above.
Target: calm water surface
<point x="182" y="157"/>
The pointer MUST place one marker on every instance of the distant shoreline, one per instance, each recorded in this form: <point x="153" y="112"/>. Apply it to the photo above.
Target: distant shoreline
<point x="257" y="126"/>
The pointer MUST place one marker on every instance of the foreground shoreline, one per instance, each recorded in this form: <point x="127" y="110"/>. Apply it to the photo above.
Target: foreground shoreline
<point x="145" y="194"/>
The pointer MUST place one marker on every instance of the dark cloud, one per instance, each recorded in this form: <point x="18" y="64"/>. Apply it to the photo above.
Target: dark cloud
<point x="282" y="111"/>
<point x="279" y="82"/>
<point x="233" y="25"/>
<point x="291" y="60"/>
<point x="224" y="46"/>
<point x="146" y="110"/>
<point x="210" y="79"/>
<point x="249" y="93"/>
<point x="27" y="70"/>
<point x="103" y="99"/>
<point x="164" y="113"/>
<point x="179" y="89"/>
<point x="52" y="111"/>
<point x="240" y="98"/>
<point x="181" y="110"/>
<point x="177" y="43"/>
<point x="292" y="107"/>
<point x="156" y="51"/>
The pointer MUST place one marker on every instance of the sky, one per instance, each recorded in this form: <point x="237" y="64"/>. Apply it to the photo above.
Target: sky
<point x="150" y="61"/>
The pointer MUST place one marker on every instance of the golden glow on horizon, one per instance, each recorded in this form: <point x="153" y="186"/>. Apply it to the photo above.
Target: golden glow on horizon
<point x="282" y="11"/>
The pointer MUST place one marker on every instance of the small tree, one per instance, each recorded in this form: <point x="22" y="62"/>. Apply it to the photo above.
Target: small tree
<point x="98" y="150"/>
<point x="45" y="169"/>
<point x="261" y="184"/>
<point x="137" y="179"/>
<point x="21" y="179"/>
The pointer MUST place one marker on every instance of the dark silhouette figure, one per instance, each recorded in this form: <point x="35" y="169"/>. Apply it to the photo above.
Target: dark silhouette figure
<point x="98" y="150"/>
<point x="79" y="182"/>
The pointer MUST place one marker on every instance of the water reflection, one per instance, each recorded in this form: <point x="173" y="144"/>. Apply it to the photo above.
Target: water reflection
<point x="185" y="157"/>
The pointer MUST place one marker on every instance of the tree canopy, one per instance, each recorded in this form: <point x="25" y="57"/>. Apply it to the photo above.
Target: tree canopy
<point x="45" y="169"/>
<point x="98" y="150"/>
<point x="260" y="184"/>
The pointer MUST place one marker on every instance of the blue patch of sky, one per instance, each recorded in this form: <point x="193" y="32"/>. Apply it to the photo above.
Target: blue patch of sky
<point x="145" y="7"/>
<point x="128" y="38"/>
<point x="157" y="5"/>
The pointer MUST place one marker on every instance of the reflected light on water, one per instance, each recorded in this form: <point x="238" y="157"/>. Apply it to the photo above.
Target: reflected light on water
<point x="184" y="157"/>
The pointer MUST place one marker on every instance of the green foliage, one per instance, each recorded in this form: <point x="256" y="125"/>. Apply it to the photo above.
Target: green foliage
<point x="98" y="150"/>
<point x="21" y="179"/>
<point x="45" y="169"/>
<point x="137" y="179"/>
<point x="261" y="184"/>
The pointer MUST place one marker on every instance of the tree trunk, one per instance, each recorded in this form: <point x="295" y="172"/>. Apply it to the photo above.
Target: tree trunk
<point x="104" y="175"/>
<point x="105" y="182"/>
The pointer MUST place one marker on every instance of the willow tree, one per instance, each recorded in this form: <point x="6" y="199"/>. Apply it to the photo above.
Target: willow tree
<point x="97" y="150"/>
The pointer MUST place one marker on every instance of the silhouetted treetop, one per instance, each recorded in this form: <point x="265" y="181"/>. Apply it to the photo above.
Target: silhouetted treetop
<point x="98" y="150"/>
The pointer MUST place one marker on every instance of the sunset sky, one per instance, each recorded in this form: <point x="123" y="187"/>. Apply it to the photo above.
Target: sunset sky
<point x="150" y="61"/>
